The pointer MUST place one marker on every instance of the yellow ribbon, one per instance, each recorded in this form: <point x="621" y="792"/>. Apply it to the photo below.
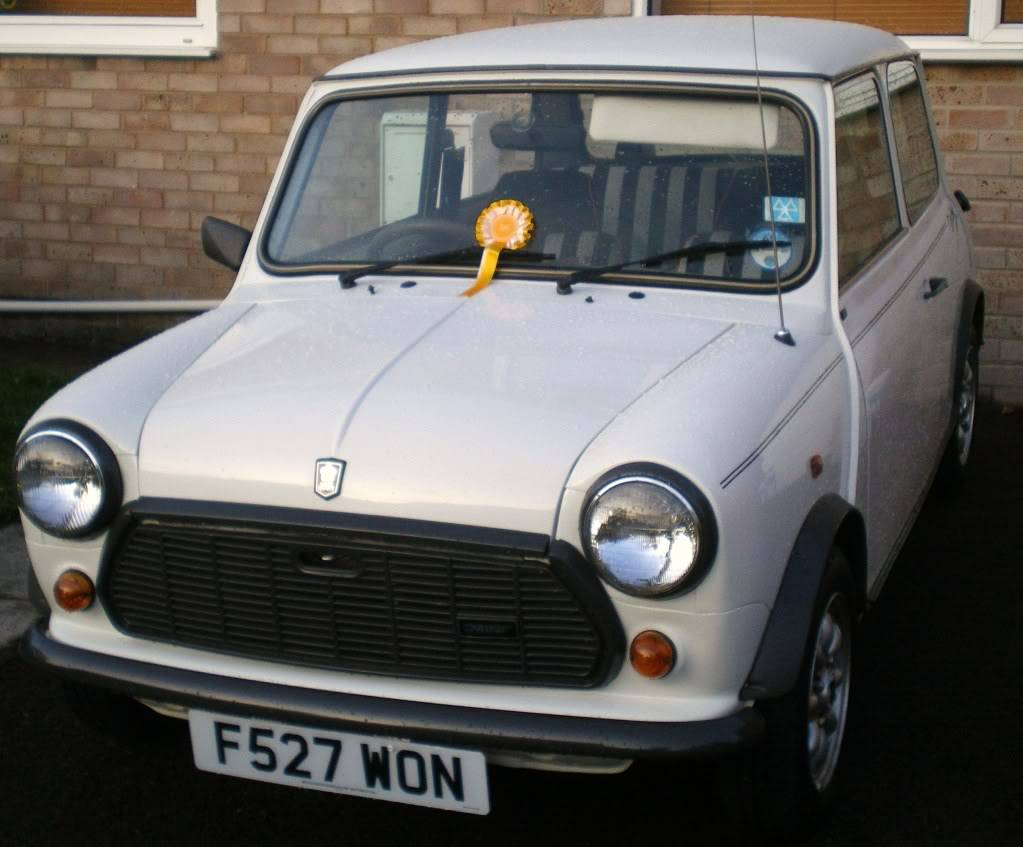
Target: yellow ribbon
<point x="503" y="225"/>
<point x="488" y="265"/>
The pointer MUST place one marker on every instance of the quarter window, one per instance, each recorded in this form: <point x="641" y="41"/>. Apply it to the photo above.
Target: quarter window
<point x="914" y="144"/>
<point x="868" y="210"/>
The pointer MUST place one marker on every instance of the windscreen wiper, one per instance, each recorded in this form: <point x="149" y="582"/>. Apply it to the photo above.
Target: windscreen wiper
<point x="704" y="248"/>
<point x="348" y="280"/>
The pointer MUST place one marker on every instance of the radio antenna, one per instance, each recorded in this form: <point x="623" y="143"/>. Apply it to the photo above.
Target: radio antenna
<point x="783" y="335"/>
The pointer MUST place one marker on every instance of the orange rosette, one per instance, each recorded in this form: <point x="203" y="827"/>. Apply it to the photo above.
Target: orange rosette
<point x="503" y="225"/>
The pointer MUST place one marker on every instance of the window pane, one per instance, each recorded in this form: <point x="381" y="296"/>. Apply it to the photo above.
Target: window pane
<point x="1012" y="12"/>
<point x="913" y="141"/>
<point x="868" y="213"/>
<point x="121" y="8"/>
<point x="906" y="17"/>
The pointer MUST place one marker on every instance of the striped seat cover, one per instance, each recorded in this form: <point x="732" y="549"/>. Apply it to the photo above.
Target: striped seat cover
<point x="612" y="211"/>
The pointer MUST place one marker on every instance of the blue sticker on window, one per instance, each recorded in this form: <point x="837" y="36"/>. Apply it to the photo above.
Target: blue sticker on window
<point x="787" y="210"/>
<point x="764" y="257"/>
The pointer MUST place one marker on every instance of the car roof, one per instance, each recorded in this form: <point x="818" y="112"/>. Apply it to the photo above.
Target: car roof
<point x="702" y="43"/>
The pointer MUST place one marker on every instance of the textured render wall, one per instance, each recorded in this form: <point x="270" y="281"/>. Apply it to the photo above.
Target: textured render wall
<point x="979" y="112"/>
<point x="108" y="165"/>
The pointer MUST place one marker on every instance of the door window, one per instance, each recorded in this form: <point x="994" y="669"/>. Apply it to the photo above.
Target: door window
<point x="913" y="140"/>
<point x="868" y="209"/>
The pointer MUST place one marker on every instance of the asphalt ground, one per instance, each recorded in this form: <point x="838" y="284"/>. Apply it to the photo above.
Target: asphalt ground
<point x="934" y="753"/>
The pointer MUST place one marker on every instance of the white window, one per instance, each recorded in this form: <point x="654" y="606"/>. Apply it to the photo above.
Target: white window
<point x="109" y="27"/>
<point x="995" y="33"/>
<point x="948" y="30"/>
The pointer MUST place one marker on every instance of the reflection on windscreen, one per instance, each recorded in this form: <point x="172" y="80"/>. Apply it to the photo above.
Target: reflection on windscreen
<point x="610" y="177"/>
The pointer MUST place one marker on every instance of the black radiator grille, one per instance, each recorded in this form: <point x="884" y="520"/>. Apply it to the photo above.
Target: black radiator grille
<point x="353" y="600"/>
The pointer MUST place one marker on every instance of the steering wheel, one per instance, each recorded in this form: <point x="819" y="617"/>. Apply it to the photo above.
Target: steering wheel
<point x="418" y="237"/>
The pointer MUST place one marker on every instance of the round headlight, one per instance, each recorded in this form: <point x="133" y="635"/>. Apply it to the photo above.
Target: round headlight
<point x="648" y="536"/>
<point x="68" y="482"/>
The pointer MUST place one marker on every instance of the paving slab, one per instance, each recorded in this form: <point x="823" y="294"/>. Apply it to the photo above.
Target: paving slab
<point x="15" y="617"/>
<point x="16" y="613"/>
<point x="13" y="563"/>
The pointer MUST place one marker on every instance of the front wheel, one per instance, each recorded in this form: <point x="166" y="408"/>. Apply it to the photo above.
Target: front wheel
<point x="782" y="787"/>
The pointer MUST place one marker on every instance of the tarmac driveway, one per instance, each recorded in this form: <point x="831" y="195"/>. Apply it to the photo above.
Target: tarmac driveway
<point x="935" y="750"/>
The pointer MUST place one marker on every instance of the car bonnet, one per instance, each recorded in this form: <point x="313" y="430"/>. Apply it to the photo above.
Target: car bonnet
<point x="443" y="408"/>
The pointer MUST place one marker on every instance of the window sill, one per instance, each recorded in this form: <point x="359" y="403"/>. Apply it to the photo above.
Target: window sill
<point x="170" y="52"/>
<point x="965" y="49"/>
<point x="69" y="35"/>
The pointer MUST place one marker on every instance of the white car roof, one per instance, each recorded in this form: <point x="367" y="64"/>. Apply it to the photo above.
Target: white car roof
<point x="705" y="43"/>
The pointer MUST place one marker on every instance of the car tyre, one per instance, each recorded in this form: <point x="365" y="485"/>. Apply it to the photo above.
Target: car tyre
<point x="779" y="790"/>
<point x="953" y="470"/>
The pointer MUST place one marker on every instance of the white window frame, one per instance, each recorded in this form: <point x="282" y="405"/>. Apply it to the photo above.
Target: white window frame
<point x="89" y="35"/>
<point x="987" y="38"/>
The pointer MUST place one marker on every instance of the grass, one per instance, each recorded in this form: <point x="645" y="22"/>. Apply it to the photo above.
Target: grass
<point x="22" y="391"/>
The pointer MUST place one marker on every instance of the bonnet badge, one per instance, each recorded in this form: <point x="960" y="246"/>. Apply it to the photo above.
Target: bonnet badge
<point x="329" y="473"/>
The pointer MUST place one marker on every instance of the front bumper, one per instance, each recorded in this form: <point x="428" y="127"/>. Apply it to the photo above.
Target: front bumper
<point x="488" y="729"/>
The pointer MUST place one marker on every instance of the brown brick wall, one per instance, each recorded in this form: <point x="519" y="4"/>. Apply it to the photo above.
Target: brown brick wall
<point x="108" y="165"/>
<point x="979" y="112"/>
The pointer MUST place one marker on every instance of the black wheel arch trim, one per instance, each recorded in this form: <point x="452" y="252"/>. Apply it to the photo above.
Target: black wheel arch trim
<point x="972" y="313"/>
<point x="970" y="317"/>
<point x="831" y="521"/>
<point x="475" y="728"/>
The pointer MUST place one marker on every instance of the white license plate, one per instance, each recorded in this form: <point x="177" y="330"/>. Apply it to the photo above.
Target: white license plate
<point x="384" y="768"/>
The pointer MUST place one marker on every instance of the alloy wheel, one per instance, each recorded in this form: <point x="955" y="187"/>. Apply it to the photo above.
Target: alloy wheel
<point x="828" y="703"/>
<point x="966" y="408"/>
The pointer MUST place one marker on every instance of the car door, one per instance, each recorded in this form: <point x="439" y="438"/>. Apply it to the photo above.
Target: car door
<point x="935" y="225"/>
<point x="879" y="264"/>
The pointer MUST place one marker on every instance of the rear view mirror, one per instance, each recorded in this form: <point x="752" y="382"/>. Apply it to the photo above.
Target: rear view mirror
<point x="964" y="201"/>
<point x="225" y="242"/>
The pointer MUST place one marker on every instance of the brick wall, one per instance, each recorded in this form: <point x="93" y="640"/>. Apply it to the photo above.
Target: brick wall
<point x="979" y="112"/>
<point x="108" y="165"/>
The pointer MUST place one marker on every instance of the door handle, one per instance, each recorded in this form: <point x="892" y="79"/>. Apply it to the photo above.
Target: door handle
<point x="935" y="285"/>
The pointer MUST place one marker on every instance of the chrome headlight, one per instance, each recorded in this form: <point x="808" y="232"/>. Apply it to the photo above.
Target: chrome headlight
<point x="648" y="531"/>
<point x="68" y="481"/>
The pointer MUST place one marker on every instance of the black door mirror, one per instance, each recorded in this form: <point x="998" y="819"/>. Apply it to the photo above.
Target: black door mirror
<point x="225" y="242"/>
<point x="964" y="201"/>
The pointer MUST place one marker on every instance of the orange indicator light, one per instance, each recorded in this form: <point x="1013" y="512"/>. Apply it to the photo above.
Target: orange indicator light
<point x="73" y="591"/>
<point x="652" y="654"/>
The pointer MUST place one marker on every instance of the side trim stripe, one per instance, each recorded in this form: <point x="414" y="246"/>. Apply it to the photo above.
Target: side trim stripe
<point x="909" y="278"/>
<point x="749" y="460"/>
<point x="734" y="474"/>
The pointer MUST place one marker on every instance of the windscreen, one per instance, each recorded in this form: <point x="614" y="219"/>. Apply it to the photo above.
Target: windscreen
<point x="610" y="177"/>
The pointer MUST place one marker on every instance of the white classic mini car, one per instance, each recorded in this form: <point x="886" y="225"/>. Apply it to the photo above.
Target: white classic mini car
<point x="578" y="388"/>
